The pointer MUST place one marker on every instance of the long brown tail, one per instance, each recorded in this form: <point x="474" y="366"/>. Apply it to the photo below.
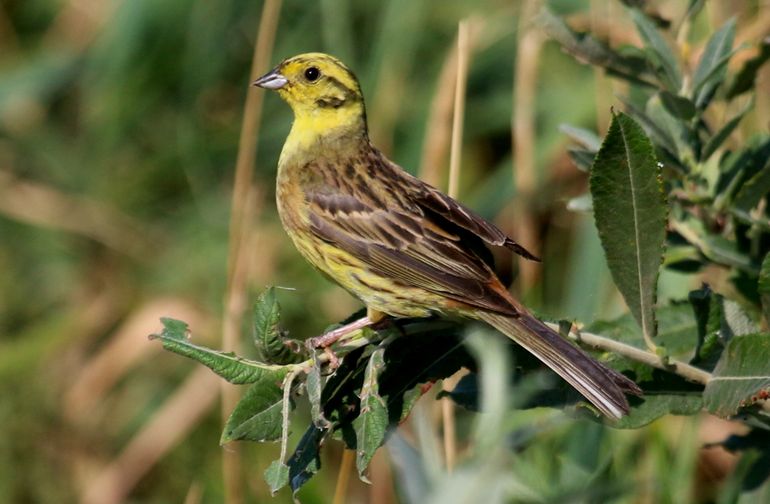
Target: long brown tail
<point x="605" y="388"/>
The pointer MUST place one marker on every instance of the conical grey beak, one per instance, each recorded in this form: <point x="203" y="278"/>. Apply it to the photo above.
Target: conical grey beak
<point x="271" y="80"/>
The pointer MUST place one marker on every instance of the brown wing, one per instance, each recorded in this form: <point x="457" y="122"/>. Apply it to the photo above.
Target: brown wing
<point x="433" y="200"/>
<point x="386" y="223"/>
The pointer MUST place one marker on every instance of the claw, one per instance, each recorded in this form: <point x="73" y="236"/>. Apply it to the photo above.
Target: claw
<point x="334" y="361"/>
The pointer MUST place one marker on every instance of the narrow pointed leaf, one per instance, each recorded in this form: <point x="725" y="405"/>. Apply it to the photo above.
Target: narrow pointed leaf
<point x="232" y="368"/>
<point x="586" y="138"/>
<point x="372" y="422"/>
<point x="582" y="158"/>
<point x="724" y="132"/>
<point x="586" y="48"/>
<point x="756" y="188"/>
<point x="630" y="212"/>
<point x="659" y="52"/>
<point x="678" y="106"/>
<point x="314" y="386"/>
<point x="713" y="63"/>
<point x="764" y="288"/>
<point x="661" y="136"/>
<point x="747" y="75"/>
<point x="675" y="128"/>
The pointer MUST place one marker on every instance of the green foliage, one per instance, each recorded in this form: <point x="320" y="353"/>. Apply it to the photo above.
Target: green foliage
<point x="741" y="379"/>
<point x="718" y="217"/>
<point x="372" y="422"/>
<point x="630" y="210"/>
<point x="257" y="416"/>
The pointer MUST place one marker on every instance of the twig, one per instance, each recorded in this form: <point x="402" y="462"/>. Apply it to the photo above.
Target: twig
<point x="346" y="465"/>
<point x="463" y="49"/>
<point x="680" y="368"/>
<point x="461" y="79"/>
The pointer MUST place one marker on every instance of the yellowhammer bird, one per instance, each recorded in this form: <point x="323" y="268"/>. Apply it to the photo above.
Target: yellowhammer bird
<point x="401" y="246"/>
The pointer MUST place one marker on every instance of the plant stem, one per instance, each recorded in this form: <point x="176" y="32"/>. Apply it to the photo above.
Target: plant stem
<point x="691" y="373"/>
<point x="680" y="368"/>
<point x="524" y="142"/>
<point x="346" y="465"/>
<point x="286" y="407"/>
<point x="461" y="79"/>
<point x="242" y="219"/>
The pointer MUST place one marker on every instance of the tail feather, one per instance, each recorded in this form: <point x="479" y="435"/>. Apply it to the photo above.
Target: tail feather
<point x="602" y="386"/>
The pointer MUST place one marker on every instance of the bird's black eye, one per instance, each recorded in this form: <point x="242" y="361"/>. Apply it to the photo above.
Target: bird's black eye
<point x="312" y="74"/>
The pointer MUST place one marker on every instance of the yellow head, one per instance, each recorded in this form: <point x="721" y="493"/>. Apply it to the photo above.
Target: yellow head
<point x="323" y="93"/>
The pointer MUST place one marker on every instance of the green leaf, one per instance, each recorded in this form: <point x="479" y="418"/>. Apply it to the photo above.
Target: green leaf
<point x="741" y="375"/>
<point x="677" y="333"/>
<point x="756" y="188"/>
<point x="678" y="106"/>
<point x="736" y="321"/>
<point x="339" y="396"/>
<point x="586" y="138"/>
<point x="716" y="248"/>
<point x="412" y="363"/>
<point x="724" y="132"/>
<point x="658" y="52"/>
<point x="656" y="405"/>
<point x="257" y="416"/>
<point x="709" y="314"/>
<point x="267" y="314"/>
<point x="314" y="386"/>
<point x="306" y="459"/>
<point x="712" y="66"/>
<point x="630" y="212"/>
<point x="675" y="128"/>
<point x="741" y="165"/>
<point x="745" y="78"/>
<point x="582" y="158"/>
<point x="585" y="47"/>
<point x="372" y="422"/>
<point x="276" y="476"/>
<point x="763" y="288"/>
<point x="234" y="369"/>
<point x="660" y="135"/>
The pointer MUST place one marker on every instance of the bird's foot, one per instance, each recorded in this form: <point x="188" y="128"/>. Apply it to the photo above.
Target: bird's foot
<point x="328" y="339"/>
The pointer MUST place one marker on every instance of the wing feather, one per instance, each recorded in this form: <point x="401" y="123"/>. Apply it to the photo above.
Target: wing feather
<point x="410" y="245"/>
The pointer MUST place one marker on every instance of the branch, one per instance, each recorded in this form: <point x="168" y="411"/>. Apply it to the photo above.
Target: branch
<point x="358" y="338"/>
<point x="677" y="367"/>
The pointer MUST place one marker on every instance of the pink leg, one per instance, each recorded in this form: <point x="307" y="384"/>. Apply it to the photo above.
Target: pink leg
<point x="327" y="339"/>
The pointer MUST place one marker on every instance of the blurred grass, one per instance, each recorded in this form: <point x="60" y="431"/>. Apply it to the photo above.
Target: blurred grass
<point x="129" y="112"/>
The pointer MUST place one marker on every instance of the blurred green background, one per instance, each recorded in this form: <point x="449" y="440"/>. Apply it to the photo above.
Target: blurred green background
<point x="119" y="132"/>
